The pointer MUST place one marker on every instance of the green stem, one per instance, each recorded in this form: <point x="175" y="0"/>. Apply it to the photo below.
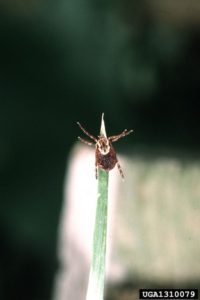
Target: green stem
<point x="97" y="272"/>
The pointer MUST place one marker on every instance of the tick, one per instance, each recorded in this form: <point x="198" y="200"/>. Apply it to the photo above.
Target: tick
<point x="105" y="155"/>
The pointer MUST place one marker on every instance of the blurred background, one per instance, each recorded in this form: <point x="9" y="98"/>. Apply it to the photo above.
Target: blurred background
<point x="68" y="60"/>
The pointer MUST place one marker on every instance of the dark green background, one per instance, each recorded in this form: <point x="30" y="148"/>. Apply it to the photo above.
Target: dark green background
<point x="72" y="60"/>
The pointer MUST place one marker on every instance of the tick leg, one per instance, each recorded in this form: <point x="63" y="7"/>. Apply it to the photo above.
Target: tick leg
<point x="120" y="170"/>
<point x="85" y="142"/>
<point x="86" y="132"/>
<point x="96" y="170"/>
<point x="115" y="138"/>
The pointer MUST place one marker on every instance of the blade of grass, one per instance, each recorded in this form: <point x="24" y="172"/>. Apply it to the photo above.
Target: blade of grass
<point x="97" y="271"/>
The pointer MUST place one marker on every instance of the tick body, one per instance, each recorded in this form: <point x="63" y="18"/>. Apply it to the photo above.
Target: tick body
<point x="105" y="155"/>
<point x="106" y="161"/>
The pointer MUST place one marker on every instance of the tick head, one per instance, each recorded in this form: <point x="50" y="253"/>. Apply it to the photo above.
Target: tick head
<point x="103" y="145"/>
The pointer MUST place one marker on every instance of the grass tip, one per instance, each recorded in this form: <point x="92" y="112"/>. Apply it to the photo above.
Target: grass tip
<point x="103" y="129"/>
